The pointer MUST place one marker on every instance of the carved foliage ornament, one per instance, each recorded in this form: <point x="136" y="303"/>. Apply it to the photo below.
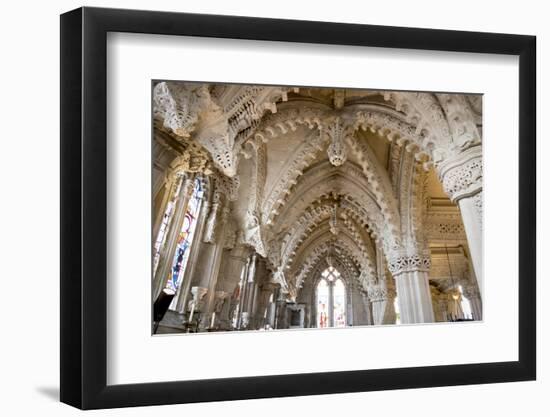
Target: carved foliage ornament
<point x="463" y="176"/>
<point x="409" y="263"/>
<point x="337" y="152"/>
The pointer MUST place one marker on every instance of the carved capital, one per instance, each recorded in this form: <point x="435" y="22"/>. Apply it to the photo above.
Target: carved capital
<point x="380" y="293"/>
<point x="462" y="175"/>
<point x="178" y="105"/>
<point x="401" y="262"/>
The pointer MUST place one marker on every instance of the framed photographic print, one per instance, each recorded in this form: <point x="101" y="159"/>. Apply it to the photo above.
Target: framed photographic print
<point x="257" y="208"/>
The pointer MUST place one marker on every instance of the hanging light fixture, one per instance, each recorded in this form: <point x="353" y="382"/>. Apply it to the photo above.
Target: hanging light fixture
<point x="455" y="296"/>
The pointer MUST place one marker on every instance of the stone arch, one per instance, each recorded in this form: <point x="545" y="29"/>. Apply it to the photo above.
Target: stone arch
<point x="349" y="185"/>
<point x="312" y="220"/>
<point x="322" y="236"/>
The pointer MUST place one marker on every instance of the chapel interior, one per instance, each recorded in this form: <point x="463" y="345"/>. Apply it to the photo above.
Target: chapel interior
<point x="278" y="207"/>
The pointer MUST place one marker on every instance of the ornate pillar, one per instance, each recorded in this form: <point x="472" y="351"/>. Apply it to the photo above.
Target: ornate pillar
<point x="368" y="308"/>
<point x="272" y="307"/>
<point x="196" y="304"/>
<point x="410" y="272"/>
<point x="462" y="179"/>
<point x="164" y="268"/>
<point x="264" y="304"/>
<point x="220" y="299"/>
<point x="382" y="299"/>
<point x="280" y="312"/>
<point x="210" y="261"/>
<point x="232" y="276"/>
<point x="472" y="294"/>
<point x="247" y="313"/>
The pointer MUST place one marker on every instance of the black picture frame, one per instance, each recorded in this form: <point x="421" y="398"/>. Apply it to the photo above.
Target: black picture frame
<point x="84" y="207"/>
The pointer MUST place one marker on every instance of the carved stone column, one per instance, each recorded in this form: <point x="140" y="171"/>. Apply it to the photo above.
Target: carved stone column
<point x="232" y="270"/>
<point x="472" y="294"/>
<point x="280" y="312"/>
<point x="164" y="268"/>
<point x="368" y="308"/>
<point x="196" y="305"/>
<point x="220" y="299"/>
<point x="410" y="272"/>
<point x="382" y="299"/>
<point x="262" y="316"/>
<point x="462" y="178"/>
<point x="272" y="306"/>
<point x="210" y="262"/>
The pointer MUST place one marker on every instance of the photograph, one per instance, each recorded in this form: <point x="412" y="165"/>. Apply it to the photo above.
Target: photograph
<point x="301" y="207"/>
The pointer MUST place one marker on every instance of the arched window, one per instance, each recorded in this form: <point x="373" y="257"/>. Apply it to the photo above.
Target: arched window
<point x="185" y="237"/>
<point x="322" y="304"/>
<point x="331" y="299"/>
<point x="339" y="309"/>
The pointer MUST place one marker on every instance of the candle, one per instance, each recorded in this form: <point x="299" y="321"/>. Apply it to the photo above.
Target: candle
<point x="213" y="318"/>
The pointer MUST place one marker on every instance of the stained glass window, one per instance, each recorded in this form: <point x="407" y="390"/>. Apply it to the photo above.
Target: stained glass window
<point x="331" y="299"/>
<point x="339" y="309"/>
<point x="322" y="304"/>
<point x="185" y="237"/>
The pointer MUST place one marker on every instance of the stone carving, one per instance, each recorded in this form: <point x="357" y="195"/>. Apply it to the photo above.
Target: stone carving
<point x="198" y="297"/>
<point x="178" y="105"/>
<point x="463" y="175"/>
<point x="229" y="186"/>
<point x="219" y="299"/>
<point x="424" y="111"/>
<point x="461" y="120"/>
<point x="337" y="152"/>
<point x="400" y="263"/>
<point x="189" y="162"/>
<point x="219" y="123"/>
<point x="380" y="293"/>
<point x="252" y="235"/>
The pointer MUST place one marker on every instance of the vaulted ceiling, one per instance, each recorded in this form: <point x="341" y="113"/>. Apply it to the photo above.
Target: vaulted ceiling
<point x="321" y="170"/>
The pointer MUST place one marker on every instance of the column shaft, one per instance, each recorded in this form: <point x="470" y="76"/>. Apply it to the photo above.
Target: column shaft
<point x="415" y="301"/>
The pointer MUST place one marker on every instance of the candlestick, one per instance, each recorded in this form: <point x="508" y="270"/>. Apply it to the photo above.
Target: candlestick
<point x="213" y="319"/>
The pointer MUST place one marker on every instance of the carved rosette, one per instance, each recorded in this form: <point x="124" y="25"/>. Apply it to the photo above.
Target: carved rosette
<point x="462" y="176"/>
<point x="400" y="263"/>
